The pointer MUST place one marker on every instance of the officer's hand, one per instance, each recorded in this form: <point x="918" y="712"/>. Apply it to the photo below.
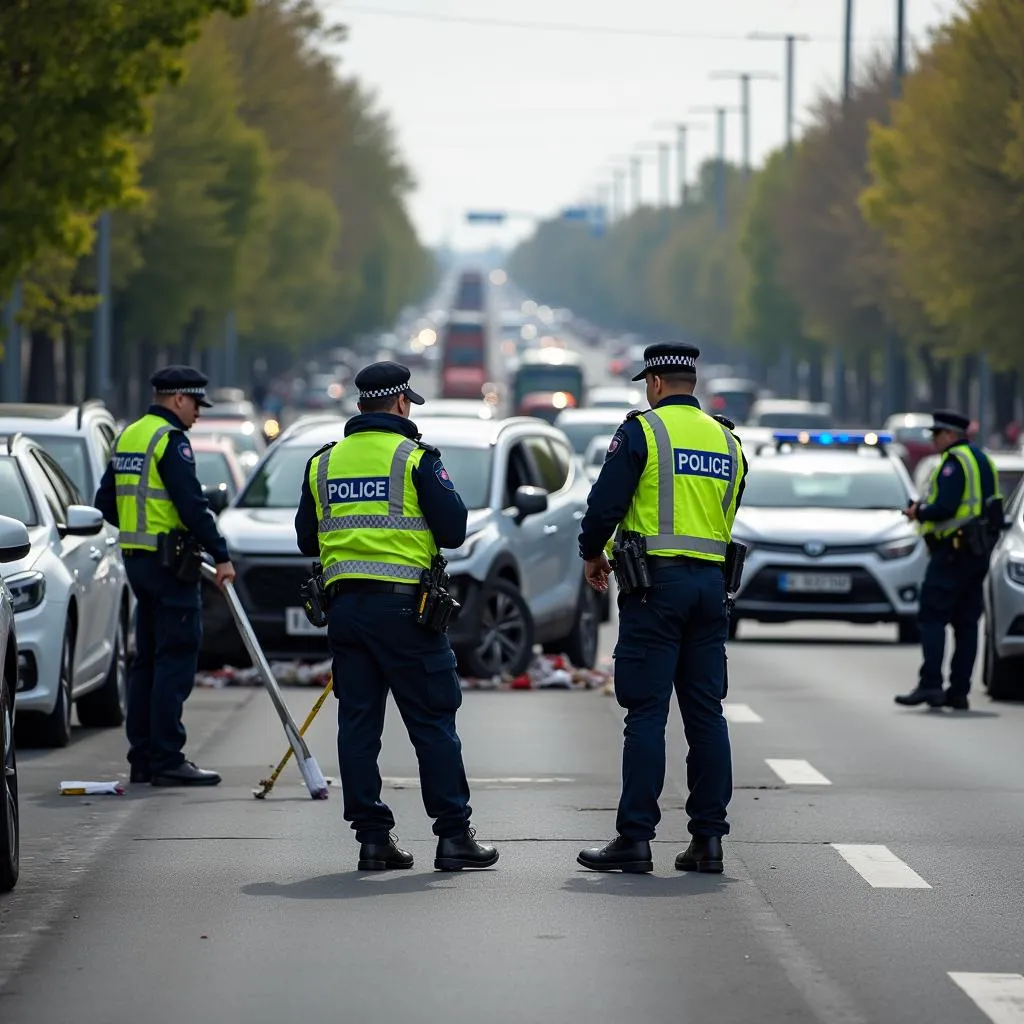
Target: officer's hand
<point x="596" y="571"/>
<point x="225" y="574"/>
<point x="911" y="510"/>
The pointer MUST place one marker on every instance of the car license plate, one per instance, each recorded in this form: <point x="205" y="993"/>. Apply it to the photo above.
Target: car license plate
<point x="296" y="624"/>
<point x="814" y="583"/>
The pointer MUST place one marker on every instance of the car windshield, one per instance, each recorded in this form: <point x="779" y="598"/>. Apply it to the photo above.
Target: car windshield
<point x="72" y="456"/>
<point x="213" y="470"/>
<point x="463" y="355"/>
<point x="278" y="482"/>
<point x="581" y="434"/>
<point x="548" y="378"/>
<point x="794" y="420"/>
<point x="241" y="434"/>
<point x="1008" y="480"/>
<point x="792" y="487"/>
<point x="14" y="497"/>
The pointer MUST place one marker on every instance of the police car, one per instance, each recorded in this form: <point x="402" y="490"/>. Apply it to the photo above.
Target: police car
<point x="821" y="515"/>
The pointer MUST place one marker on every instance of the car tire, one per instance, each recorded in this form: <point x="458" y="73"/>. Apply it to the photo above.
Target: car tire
<point x="505" y="643"/>
<point x="580" y="646"/>
<point x="9" y="819"/>
<point x="908" y="632"/>
<point x="55" y="728"/>
<point x="1002" y="676"/>
<point x="106" y="707"/>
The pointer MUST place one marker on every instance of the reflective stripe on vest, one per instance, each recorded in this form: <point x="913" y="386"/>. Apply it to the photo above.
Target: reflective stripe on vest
<point x="139" y="497"/>
<point x="970" y="506"/>
<point x="393" y="544"/>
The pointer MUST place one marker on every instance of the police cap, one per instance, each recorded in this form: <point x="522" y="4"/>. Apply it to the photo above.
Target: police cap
<point x="383" y="380"/>
<point x="669" y="358"/>
<point x="947" y="419"/>
<point x="182" y="380"/>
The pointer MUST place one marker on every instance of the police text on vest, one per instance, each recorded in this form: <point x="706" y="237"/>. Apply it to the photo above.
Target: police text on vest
<point x="367" y="488"/>
<point x="694" y="463"/>
<point x="129" y="462"/>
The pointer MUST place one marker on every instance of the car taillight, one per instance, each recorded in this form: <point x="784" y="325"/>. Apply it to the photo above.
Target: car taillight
<point x="718" y="402"/>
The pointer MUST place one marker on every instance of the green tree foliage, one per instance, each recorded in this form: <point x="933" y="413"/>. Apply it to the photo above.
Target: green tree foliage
<point x="948" y="181"/>
<point x="72" y="91"/>
<point x="205" y="177"/>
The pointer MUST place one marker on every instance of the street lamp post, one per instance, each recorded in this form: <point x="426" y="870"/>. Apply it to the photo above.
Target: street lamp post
<point x="720" y="116"/>
<point x="745" y="78"/>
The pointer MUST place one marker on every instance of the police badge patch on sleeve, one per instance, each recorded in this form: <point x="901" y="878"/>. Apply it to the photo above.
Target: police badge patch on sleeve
<point x="614" y="445"/>
<point x="443" y="478"/>
<point x="185" y="451"/>
<point x="948" y="471"/>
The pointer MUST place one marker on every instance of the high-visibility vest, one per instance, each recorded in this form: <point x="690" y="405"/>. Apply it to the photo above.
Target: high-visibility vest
<point x="370" y="522"/>
<point x="971" y="501"/>
<point x="144" y="509"/>
<point x="685" y="503"/>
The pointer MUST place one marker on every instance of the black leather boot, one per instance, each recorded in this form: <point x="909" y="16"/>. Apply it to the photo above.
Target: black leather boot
<point x="933" y="698"/>
<point x="621" y="854"/>
<point x="703" y="854"/>
<point x="383" y="856"/>
<point x="186" y="774"/>
<point x="458" y="852"/>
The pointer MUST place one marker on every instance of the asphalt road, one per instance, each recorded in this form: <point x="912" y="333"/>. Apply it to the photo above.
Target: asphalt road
<point x="877" y="859"/>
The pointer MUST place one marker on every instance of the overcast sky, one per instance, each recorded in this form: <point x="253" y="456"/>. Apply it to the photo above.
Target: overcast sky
<point x="532" y="113"/>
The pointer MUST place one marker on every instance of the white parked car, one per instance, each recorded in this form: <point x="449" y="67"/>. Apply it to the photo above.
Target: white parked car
<point x="70" y="596"/>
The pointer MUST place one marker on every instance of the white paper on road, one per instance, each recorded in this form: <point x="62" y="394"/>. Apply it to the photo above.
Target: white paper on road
<point x="74" y="788"/>
<point x="999" y="996"/>
<point x="879" y="866"/>
<point x="797" y="773"/>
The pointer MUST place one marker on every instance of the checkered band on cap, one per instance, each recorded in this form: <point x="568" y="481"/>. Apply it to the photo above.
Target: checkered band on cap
<point x="687" y="362"/>
<point x="398" y="389"/>
<point x="201" y="392"/>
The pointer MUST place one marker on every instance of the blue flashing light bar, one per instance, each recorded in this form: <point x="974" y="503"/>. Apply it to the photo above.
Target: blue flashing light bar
<point x="825" y="438"/>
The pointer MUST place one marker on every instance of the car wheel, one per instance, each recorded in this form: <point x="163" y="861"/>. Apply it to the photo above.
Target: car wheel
<point x="505" y="643"/>
<point x="909" y="632"/>
<point x="56" y="726"/>
<point x="581" y="644"/>
<point x="9" y="823"/>
<point x="1002" y="676"/>
<point x="106" y="706"/>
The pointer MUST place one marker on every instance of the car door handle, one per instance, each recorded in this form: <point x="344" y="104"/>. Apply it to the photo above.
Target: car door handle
<point x="95" y="554"/>
<point x="550" y="529"/>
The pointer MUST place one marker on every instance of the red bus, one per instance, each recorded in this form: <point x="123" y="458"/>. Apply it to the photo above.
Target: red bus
<point x="464" y="356"/>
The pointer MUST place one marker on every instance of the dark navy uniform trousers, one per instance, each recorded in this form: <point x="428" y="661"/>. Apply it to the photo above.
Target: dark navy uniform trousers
<point x="951" y="595"/>
<point x="168" y="633"/>
<point x="378" y="647"/>
<point x="672" y="637"/>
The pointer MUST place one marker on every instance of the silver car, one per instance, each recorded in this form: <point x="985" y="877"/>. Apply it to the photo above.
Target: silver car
<point x="1003" y="661"/>
<point x="822" y="519"/>
<point x="518" y="576"/>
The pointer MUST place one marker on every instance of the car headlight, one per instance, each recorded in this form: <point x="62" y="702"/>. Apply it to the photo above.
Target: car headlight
<point x="465" y="550"/>
<point x="1015" y="570"/>
<point x="27" y="589"/>
<point x="902" y="547"/>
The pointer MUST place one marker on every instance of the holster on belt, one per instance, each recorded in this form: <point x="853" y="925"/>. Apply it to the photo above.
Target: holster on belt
<point x="180" y="553"/>
<point x="314" y="597"/>
<point x="434" y="605"/>
<point x="735" y="557"/>
<point x="629" y="562"/>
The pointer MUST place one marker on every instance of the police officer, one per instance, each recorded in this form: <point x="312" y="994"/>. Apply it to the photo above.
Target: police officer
<point x="964" y="480"/>
<point x="675" y="476"/>
<point x="375" y="507"/>
<point x="149" y="489"/>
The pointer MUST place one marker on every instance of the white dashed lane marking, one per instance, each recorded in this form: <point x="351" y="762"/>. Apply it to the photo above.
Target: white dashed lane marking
<point x="999" y="996"/>
<point x="797" y="773"/>
<point x="879" y="866"/>
<point x="740" y="713"/>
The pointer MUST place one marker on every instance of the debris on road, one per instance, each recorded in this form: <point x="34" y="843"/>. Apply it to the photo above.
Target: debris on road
<point x="545" y="672"/>
<point x="91" y="788"/>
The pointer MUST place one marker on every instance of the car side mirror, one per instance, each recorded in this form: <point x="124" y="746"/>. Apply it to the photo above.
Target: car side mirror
<point x="83" y="521"/>
<point x="14" y="540"/>
<point x="530" y="501"/>
<point x="218" y="498"/>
